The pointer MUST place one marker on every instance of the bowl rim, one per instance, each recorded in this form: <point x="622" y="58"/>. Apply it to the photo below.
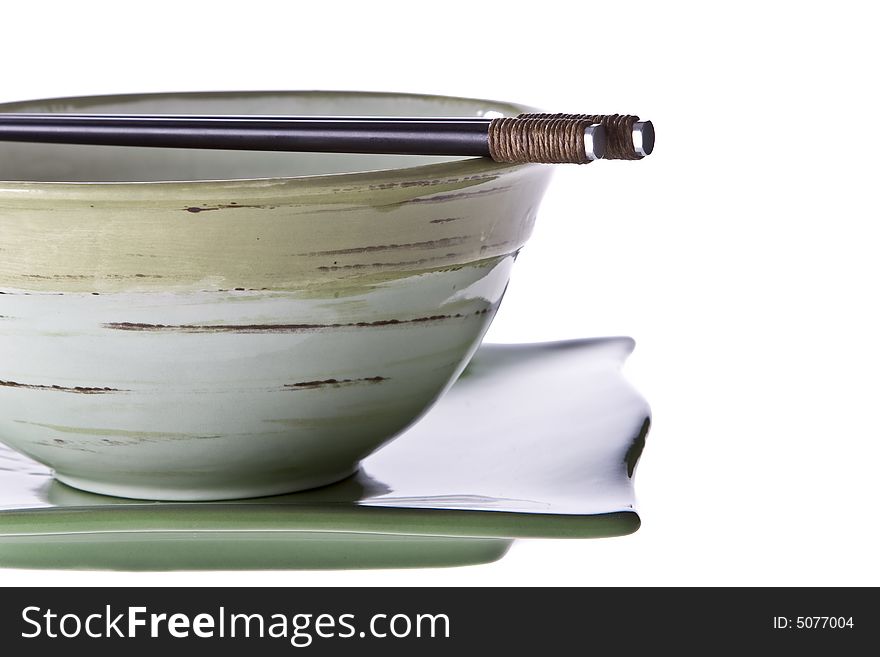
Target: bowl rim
<point x="470" y="166"/>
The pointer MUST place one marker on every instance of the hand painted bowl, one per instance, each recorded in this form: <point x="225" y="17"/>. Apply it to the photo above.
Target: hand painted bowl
<point x="196" y="325"/>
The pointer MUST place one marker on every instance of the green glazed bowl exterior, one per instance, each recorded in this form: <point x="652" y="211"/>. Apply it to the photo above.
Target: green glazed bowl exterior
<point x="193" y="325"/>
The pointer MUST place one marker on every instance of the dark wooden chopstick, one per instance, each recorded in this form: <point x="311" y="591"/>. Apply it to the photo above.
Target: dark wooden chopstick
<point x="505" y="140"/>
<point x="240" y="133"/>
<point x="83" y="118"/>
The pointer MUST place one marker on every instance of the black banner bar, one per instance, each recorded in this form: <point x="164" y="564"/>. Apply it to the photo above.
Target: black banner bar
<point x="434" y="621"/>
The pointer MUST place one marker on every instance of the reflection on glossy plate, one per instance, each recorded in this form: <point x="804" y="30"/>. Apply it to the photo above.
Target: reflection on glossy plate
<point x="536" y="440"/>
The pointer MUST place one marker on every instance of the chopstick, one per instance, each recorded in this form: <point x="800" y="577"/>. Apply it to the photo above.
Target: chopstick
<point x="528" y="138"/>
<point x="77" y="117"/>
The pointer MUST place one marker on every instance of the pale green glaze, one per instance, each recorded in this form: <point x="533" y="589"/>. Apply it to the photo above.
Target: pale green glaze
<point x="207" y="325"/>
<point x="453" y="489"/>
<point x="253" y="550"/>
<point x="277" y="231"/>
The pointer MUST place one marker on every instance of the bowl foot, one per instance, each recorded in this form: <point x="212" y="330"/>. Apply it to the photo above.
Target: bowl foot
<point x="138" y="489"/>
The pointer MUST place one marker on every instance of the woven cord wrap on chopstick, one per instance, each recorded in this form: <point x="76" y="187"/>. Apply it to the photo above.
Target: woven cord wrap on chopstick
<point x="618" y="131"/>
<point x="548" y="139"/>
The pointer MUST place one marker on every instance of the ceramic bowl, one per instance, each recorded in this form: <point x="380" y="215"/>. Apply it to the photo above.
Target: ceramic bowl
<point x="196" y="325"/>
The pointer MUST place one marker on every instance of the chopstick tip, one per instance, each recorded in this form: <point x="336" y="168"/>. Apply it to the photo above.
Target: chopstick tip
<point x="643" y="137"/>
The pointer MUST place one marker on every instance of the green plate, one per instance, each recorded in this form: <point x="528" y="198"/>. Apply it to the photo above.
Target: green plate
<point x="537" y="440"/>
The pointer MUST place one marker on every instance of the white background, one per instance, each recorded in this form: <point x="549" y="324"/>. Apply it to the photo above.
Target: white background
<point x="742" y="255"/>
